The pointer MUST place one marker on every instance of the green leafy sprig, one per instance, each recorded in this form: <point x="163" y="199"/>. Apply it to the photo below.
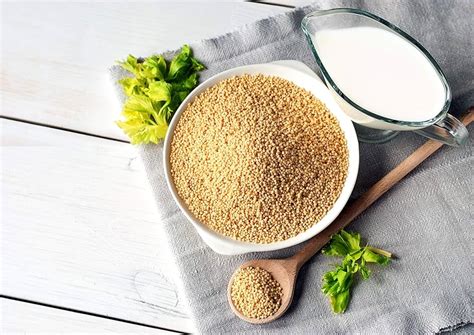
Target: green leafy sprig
<point x="337" y="283"/>
<point x="154" y="92"/>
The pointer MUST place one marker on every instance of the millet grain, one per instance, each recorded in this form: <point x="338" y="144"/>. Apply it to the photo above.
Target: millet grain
<point x="255" y="293"/>
<point x="258" y="159"/>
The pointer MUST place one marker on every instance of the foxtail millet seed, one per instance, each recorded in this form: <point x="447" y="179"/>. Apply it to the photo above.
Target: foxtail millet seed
<point x="258" y="159"/>
<point x="255" y="293"/>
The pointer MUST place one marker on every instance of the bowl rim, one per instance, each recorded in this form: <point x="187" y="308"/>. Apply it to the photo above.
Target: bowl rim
<point x="240" y="247"/>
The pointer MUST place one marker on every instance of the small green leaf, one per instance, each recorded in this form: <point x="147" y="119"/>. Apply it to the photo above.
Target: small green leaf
<point x="187" y="84"/>
<point x="159" y="91"/>
<point x="196" y="65"/>
<point x="131" y="86"/>
<point x="336" y="247"/>
<point x="143" y="124"/>
<point x="372" y="257"/>
<point x="138" y="106"/>
<point x="182" y="65"/>
<point x="340" y="301"/>
<point x="154" y="67"/>
<point x="342" y="244"/>
<point x="131" y="65"/>
<point x="364" y="271"/>
<point x="352" y="240"/>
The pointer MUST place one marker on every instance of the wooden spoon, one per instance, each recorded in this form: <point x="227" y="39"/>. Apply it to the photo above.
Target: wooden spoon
<point x="285" y="271"/>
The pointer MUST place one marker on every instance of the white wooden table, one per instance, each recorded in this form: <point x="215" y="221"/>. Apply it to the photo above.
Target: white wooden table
<point x="81" y="246"/>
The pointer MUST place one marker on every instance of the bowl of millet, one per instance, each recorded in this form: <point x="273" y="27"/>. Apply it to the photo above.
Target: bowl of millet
<point x="260" y="158"/>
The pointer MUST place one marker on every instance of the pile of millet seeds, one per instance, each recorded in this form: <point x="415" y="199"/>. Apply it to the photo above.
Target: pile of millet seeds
<point x="258" y="159"/>
<point x="255" y="293"/>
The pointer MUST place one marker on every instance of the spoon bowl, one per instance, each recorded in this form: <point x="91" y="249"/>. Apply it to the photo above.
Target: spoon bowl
<point x="284" y="271"/>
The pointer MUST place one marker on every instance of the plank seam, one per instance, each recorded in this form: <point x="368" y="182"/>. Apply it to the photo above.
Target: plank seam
<point x="88" y="313"/>
<point x="269" y="3"/>
<point x="39" y="124"/>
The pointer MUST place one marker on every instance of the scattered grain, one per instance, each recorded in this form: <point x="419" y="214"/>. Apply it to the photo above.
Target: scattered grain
<point x="258" y="159"/>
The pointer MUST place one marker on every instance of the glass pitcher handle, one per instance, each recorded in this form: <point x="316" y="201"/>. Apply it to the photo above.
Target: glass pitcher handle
<point x="449" y="130"/>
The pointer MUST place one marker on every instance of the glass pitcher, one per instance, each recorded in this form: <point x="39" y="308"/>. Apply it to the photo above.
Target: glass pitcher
<point x="372" y="127"/>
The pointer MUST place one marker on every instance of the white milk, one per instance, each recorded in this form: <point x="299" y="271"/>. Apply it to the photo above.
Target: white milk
<point x="381" y="72"/>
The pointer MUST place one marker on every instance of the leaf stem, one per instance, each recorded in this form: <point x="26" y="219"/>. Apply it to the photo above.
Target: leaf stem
<point x="381" y="252"/>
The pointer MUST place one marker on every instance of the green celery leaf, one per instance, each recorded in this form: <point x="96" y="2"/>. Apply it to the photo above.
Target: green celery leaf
<point x="356" y="255"/>
<point x="132" y="65"/>
<point x="337" y="283"/>
<point x="330" y="284"/>
<point x="342" y="244"/>
<point x="155" y="92"/>
<point x="336" y="247"/>
<point x="138" y="106"/>
<point x="340" y="301"/>
<point x="196" y="65"/>
<point x="364" y="270"/>
<point x="140" y="132"/>
<point x="159" y="91"/>
<point x="154" y="67"/>
<point x="166" y="113"/>
<point x="352" y="240"/>
<point x="344" y="280"/>
<point x="180" y="64"/>
<point x="177" y="98"/>
<point x="131" y="86"/>
<point x="180" y="96"/>
<point x="340" y="279"/>
<point x="183" y="65"/>
<point x="142" y="122"/>
<point x="372" y="257"/>
<point x="187" y="84"/>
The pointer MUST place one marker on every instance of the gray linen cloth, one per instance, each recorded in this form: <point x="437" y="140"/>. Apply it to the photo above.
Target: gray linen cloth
<point x="426" y="220"/>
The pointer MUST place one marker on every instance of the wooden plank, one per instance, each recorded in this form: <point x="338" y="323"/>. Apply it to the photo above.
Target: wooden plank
<point x="20" y="317"/>
<point x="79" y="228"/>
<point x="56" y="55"/>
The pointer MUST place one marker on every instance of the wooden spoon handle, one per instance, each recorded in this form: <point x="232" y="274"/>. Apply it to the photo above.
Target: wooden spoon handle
<point x="368" y="198"/>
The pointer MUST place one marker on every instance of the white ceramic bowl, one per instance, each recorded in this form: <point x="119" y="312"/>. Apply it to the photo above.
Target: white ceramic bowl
<point x="297" y="73"/>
